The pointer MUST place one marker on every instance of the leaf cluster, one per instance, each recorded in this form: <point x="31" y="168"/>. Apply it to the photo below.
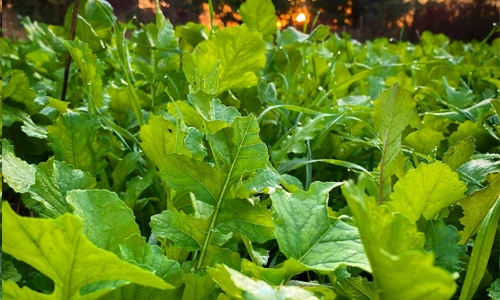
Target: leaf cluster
<point x="247" y="163"/>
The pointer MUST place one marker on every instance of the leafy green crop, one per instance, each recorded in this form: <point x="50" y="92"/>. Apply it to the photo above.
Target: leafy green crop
<point x="247" y="162"/>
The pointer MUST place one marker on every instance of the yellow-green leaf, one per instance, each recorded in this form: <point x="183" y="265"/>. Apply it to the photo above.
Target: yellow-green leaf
<point x="259" y="14"/>
<point x="58" y="249"/>
<point x="393" y="111"/>
<point x="477" y="205"/>
<point x="402" y="272"/>
<point x="426" y="190"/>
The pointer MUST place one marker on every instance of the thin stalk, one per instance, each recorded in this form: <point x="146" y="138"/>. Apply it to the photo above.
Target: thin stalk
<point x="211" y="12"/>
<point x="68" y="56"/>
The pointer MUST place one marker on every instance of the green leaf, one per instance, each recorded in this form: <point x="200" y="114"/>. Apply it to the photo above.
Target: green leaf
<point x="358" y="288"/>
<point x="240" y="286"/>
<point x="481" y="252"/>
<point x="136" y="186"/>
<point x="135" y="250"/>
<point x="53" y="180"/>
<point x="277" y="275"/>
<point x="183" y="230"/>
<point x="215" y="115"/>
<point x="59" y="250"/>
<point x="9" y="271"/>
<point x="237" y="149"/>
<point x="259" y="256"/>
<point x="17" y="92"/>
<point x="92" y="27"/>
<point x="460" y="153"/>
<point x="75" y="139"/>
<point x="90" y="69"/>
<point x="201" y="71"/>
<point x="295" y="142"/>
<point x="217" y="255"/>
<point x="254" y="221"/>
<point x="183" y="173"/>
<point x="424" y="140"/>
<point x="477" y="205"/>
<point x="107" y="221"/>
<point x="393" y="111"/>
<point x="236" y="53"/>
<point x="197" y="287"/>
<point x="12" y="114"/>
<point x="442" y="240"/>
<point x="125" y="166"/>
<point x="259" y="14"/>
<point x="238" y="152"/>
<point x="468" y="128"/>
<point x="305" y="232"/>
<point x="494" y="290"/>
<point x="426" y="190"/>
<point x="461" y="97"/>
<point x="17" y="173"/>
<point x="404" y="271"/>
<point x="477" y="170"/>
<point x="161" y="137"/>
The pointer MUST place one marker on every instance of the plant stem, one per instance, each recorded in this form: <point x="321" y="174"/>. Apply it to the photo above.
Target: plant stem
<point x="68" y="57"/>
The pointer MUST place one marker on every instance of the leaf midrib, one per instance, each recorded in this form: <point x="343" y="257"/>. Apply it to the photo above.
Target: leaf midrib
<point x="219" y="201"/>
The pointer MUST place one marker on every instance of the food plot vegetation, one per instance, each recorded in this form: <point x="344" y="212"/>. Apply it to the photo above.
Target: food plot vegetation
<point x="247" y="163"/>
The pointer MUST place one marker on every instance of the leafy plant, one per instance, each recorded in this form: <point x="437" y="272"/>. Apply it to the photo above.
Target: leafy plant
<point x="247" y="163"/>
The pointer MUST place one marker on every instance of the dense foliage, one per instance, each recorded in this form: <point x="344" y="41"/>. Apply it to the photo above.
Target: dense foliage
<point x="247" y="163"/>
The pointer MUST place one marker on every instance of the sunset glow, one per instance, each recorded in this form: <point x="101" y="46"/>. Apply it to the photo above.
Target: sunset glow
<point x="300" y="18"/>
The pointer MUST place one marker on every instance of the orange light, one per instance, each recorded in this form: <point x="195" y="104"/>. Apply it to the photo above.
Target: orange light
<point x="300" y="18"/>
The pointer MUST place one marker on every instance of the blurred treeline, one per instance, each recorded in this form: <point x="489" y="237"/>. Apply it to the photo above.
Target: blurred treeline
<point x="363" y="19"/>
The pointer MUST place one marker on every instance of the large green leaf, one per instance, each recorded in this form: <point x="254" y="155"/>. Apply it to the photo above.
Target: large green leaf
<point x="259" y="14"/>
<point x="107" y="221"/>
<point x="75" y="139"/>
<point x="306" y="233"/>
<point x="17" y="173"/>
<point x="58" y="249"/>
<point x="393" y="111"/>
<point x="240" y="286"/>
<point x="426" y="190"/>
<point x="53" y="180"/>
<point x="110" y="224"/>
<point x="398" y="271"/>
<point x="238" y="154"/>
<point x="477" y="205"/>
<point x="228" y="60"/>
